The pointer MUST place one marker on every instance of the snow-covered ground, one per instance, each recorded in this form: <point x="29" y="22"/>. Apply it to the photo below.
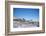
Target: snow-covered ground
<point x="23" y="25"/>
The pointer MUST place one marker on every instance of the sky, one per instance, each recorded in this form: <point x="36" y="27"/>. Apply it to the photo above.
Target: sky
<point x="27" y="13"/>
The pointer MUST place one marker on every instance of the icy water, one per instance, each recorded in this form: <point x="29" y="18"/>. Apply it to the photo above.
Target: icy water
<point x="22" y="25"/>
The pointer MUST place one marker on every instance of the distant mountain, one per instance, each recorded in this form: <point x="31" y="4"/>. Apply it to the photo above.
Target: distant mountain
<point x="23" y="20"/>
<point x="15" y="17"/>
